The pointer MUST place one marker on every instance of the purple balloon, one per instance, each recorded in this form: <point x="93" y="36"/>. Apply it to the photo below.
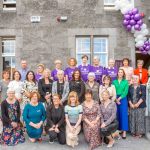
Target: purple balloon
<point x="135" y="11"/>
<point x="132" y="22"/>
<point x="147" y="48"/>
<point x="125" y="22"/>
<point x="141" y="49"/>
<point x="137" y="17"/>
<point x="144" y="52"/>
<point x="136" y="27"/>
<point x="129" y="27"/>
<point x="127" y="17"/>
<point x="132" y="17"/>
<point x="130" y="12"/>
<point x="146" y="43"/>
<point x="140" y="22"/>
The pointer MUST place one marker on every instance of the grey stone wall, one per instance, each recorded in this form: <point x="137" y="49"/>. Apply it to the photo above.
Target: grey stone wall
<point x="45" y="41"/>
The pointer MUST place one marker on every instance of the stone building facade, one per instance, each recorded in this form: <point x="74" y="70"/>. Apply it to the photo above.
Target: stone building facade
<point x="49" y="39"/>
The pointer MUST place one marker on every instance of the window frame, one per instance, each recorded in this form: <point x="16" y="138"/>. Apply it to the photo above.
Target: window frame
<point x="6" y="3"/>
<point x="91" y="52"/>
<point x="11" y="55"/>
<point x="112" y="5"/>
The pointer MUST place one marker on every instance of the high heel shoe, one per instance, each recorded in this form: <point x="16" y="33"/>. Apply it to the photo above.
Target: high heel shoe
<point x="111" y="145"/>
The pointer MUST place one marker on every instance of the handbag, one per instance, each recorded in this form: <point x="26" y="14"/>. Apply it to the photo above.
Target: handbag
<point x="109" y="129"/>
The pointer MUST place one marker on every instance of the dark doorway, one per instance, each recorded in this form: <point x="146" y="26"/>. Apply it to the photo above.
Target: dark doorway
<point x="144" y="57"/>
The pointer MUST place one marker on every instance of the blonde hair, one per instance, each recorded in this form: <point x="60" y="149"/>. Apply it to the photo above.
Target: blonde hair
<point x="57" y="61"/>
<point x="46" y="70"/>
<point x="73" y="94"/>
<point x="105" y="91"/>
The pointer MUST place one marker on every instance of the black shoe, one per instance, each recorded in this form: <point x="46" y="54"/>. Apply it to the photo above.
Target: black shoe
<point x="124" y="137"/>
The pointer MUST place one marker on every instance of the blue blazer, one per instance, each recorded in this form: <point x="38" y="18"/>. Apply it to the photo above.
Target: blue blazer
<point x="140" y="94"/>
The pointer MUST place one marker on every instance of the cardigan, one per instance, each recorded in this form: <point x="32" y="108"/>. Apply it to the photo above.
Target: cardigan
<point x="65" y="92"/>
<point x="144" y="75"/>
<point x="5" y="116"/>
<point x="140" y="94"/>
<point x="121" y="88"/>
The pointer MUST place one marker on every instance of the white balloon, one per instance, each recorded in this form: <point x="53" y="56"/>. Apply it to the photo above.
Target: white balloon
<point x="117" y="7"/>
<point x="124" y="10"/>
<point x="132" y="30"/>
<point x="139" y="43"/>
<point x="140" y="37"/>
<point x="137" y="33"/>
<point x="144" y="26"/>
<point x="145" y="32"/>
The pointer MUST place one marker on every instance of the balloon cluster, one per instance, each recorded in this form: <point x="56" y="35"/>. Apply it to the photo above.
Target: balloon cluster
<point x="146" y="47"/>
<point x="133" y="20"/>
<point x="133" y="23"/>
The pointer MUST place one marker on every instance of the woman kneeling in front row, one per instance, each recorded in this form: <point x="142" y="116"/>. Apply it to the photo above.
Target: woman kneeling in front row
<point x="34" y="115"/>
<point x="73" y="114"/>
<point x="56" y="121"/>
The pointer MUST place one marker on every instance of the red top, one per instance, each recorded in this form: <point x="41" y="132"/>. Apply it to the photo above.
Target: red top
<point x="144" y="72"/>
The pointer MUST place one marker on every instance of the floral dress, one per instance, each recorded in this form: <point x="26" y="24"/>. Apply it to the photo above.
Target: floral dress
<point x="12" y="136"/>
<point x="92" y="135"/>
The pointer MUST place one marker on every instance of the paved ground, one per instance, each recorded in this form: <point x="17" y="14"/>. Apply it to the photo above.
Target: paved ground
<point x="129" y="144"/>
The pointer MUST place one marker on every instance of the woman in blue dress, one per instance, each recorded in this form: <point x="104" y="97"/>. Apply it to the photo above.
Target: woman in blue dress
<point x="34" y="115"/>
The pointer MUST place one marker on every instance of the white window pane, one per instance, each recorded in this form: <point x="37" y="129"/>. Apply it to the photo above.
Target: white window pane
<point x="107" y="2"/>
<point x="100" y="45"/>
<point x="83" y="45"/>
<point x="8" y="47"/>
<point x="112" y="2"/>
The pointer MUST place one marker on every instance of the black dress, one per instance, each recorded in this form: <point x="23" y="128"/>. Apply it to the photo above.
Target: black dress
<point x="79" y="87"/>
<point x="56" y="116"/>
<point x="44" y="88"/>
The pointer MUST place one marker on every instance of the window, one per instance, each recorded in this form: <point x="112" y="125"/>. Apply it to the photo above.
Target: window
<point x="92" y="46"/>
<point x="9" y="5"/>
<point x="111" y="3"/>
<point x="8" y="54"/>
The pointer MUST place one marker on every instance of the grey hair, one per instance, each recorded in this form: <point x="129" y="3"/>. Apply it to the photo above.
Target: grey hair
<point x="140" y="61"/>
<point x="96" y="57"/>
<point x="10" y="90"/>
<point x="91" y="74"/>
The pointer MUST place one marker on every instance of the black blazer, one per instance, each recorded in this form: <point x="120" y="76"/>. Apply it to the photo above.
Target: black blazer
<point x="79" y="87"/>
<point x="43" y="88"/>
<point x="5" y="117"/>
<point x="140" y="94"/>
<point x="55" y="117"/>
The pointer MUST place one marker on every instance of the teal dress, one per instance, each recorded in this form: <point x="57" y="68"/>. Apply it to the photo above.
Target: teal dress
<point x="34" y="114"/>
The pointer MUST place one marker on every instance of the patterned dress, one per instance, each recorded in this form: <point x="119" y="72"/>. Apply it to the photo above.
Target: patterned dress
<point x="136" y="117"/>
<point x="92" y="135"/>
<point x="12" y="136"/>
<point x="27" y="87"/>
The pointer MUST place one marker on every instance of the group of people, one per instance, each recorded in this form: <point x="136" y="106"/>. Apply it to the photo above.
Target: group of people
<point x="88" y="98"/>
